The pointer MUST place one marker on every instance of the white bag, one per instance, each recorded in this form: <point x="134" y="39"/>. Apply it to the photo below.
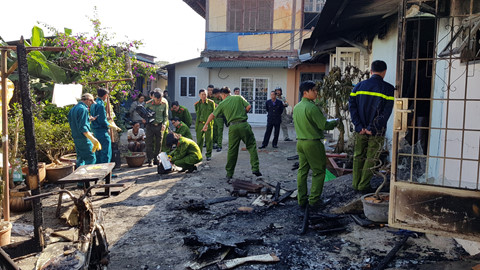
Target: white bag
<point x="164" y="160"/>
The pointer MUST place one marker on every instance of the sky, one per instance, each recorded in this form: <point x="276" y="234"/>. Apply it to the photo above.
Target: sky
<point x="169" y="29"/>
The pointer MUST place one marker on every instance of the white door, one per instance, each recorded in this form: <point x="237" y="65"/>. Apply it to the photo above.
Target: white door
<point x="256" y="92"/>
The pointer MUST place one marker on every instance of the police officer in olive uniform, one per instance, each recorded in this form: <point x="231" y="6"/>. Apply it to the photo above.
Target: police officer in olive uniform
<point x="100" y="127"/>
<point x="181" y="128"/>
<point x="85" y="143"/>
<point x="309" y="125"/>
<point x="217" y="123"/>
<point x="186" y="154"/>
<point x="156" y="128"/>
<point x="203" y="108"/>
<point x="182" y="113"/>
<point x="235" y="109"/>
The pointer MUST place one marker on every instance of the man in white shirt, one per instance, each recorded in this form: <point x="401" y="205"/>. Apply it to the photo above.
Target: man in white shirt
<point x="136" y="138"/>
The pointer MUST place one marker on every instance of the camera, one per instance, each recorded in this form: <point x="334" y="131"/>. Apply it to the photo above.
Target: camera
<point x="145" y="113"/>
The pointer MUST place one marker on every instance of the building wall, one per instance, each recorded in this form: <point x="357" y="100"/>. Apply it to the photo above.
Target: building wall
<point x="190" y="68"/>
<point x="231" y="77"/>
<point x="287" y="32"/>
<point x="386" y="49"/>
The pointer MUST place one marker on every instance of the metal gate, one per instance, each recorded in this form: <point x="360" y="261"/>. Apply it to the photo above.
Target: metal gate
<point x="436" y="141"/>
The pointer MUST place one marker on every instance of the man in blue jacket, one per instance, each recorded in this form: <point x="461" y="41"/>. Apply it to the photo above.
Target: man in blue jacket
<point x="370" y="105"/>
<point x="274" y="118"/>
<point x="101" y="126"/>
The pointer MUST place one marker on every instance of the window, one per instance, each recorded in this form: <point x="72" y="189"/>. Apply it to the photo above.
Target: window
<point x="188" y="86"/>
<point x="249" y="15"/>
<point x="349" y="56"/>
<point x="255" y="91"/>
<point x="313" y="5"/>
<point x="316" y="77"/>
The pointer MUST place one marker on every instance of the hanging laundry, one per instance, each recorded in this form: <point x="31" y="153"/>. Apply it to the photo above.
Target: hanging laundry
<point x="66" y="94"/>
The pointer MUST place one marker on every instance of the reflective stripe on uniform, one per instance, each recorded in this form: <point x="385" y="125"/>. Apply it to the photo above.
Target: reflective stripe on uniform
<point x="368" y="93"/>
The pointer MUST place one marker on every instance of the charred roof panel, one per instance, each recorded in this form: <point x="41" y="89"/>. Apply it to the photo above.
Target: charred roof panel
<point x="198" y="5"/>
<point x="342" y="19"/>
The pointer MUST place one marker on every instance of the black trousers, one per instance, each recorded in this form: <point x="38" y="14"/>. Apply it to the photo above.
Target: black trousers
<point x="268" y="132"/>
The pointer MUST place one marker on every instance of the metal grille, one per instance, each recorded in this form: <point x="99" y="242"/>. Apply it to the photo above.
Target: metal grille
<point x="254" y="90"/>
<point x="440" y="79"/>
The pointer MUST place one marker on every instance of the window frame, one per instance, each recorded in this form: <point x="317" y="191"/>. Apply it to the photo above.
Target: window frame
<point x="188" y="92"/>
<point x="261" y="22"/>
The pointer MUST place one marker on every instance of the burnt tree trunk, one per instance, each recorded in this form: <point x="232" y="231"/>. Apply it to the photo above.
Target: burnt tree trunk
<point x="31" y="150"/>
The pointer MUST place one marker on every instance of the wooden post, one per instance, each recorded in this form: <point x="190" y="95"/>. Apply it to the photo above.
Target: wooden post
<point x="6" y="188"/>
<point x="31" y="152"/>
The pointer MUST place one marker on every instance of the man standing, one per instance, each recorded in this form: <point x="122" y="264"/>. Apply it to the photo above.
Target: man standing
<point x="285" y="118"/>
<point x="236" y="91"/>
<point x="100" y="127"/>
<point x="85" y="143"/>
<point x="203" y="108"/>
<point x="182" y="113"/>
<point x="181" y="128"/>
<point x="309" y="126"/>
<point x="370" y="105"/>
<point x="235" y="109"/>
<point x="217" y="123"/>
<point x="156" y="128"/>
<point x="274" y="118"/>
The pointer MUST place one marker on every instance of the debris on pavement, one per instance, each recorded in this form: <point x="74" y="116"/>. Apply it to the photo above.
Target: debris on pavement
<point x="229" y="264"/>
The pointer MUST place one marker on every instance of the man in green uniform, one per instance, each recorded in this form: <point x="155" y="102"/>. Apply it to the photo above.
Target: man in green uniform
<point x="203" y="108"/>
<point x="235" y="109"/>
<point x="181" y="128"/>
<point x="85" y="143"/>
<point x="186" y="154"/>
<point x="156" y="128"/>
<point x="100" y="127"/>
<point x="309" y="126"/>
<point x="217" y="123"/>
<point x="182" y="113"/>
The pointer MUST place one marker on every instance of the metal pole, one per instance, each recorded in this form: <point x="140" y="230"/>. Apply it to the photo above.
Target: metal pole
<point x="6" y="188"/>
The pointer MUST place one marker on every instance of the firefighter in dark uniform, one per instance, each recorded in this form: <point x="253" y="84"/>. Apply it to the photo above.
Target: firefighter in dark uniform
<point x="370" y="105"/>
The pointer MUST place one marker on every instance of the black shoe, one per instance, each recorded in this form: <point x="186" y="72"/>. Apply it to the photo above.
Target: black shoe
<point x="288" y="140"/>
<point x="150" y="163"/>
<point x="365" y="191"/>
<point x="257" y="173"/>
<point x="275" y="146"/>
<point x="209" y="158"/>
<point x="262" y="147"/>
<point x="194" y="168"/>
<point x="155" y="162"/>
<point x="219" y="149"/>
<point x="215" y="146"/>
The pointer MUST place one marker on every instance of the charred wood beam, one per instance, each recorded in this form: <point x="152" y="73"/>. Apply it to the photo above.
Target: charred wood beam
<point x="31" y="150"/>
<point x="5" y="261"/>
<point x="392" y="253"/>
<point x="305" y="223"/>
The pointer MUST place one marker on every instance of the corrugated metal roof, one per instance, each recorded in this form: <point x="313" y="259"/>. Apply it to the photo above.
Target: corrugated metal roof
<point x="244" y="64"/>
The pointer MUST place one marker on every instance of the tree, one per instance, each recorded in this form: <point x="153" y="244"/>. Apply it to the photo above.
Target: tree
<point x="334" y="92"/>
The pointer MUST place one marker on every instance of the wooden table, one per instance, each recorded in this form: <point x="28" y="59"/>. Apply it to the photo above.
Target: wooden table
<point x="86" y="174"/>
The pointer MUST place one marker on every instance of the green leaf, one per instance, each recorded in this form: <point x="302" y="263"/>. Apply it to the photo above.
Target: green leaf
<point x="38" y="39"/>
<point x="44" y="68"/>
<point x="68" y="31"/>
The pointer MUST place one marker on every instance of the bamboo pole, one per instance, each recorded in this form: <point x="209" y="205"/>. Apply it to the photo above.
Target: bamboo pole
<point x="6" y="188"/>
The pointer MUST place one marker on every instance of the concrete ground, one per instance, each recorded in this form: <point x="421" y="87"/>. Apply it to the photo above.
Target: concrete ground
<point x="147" y="225"/>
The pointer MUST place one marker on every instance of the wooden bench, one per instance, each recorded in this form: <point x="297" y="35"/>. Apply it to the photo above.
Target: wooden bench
<point x="86" y="174"/>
